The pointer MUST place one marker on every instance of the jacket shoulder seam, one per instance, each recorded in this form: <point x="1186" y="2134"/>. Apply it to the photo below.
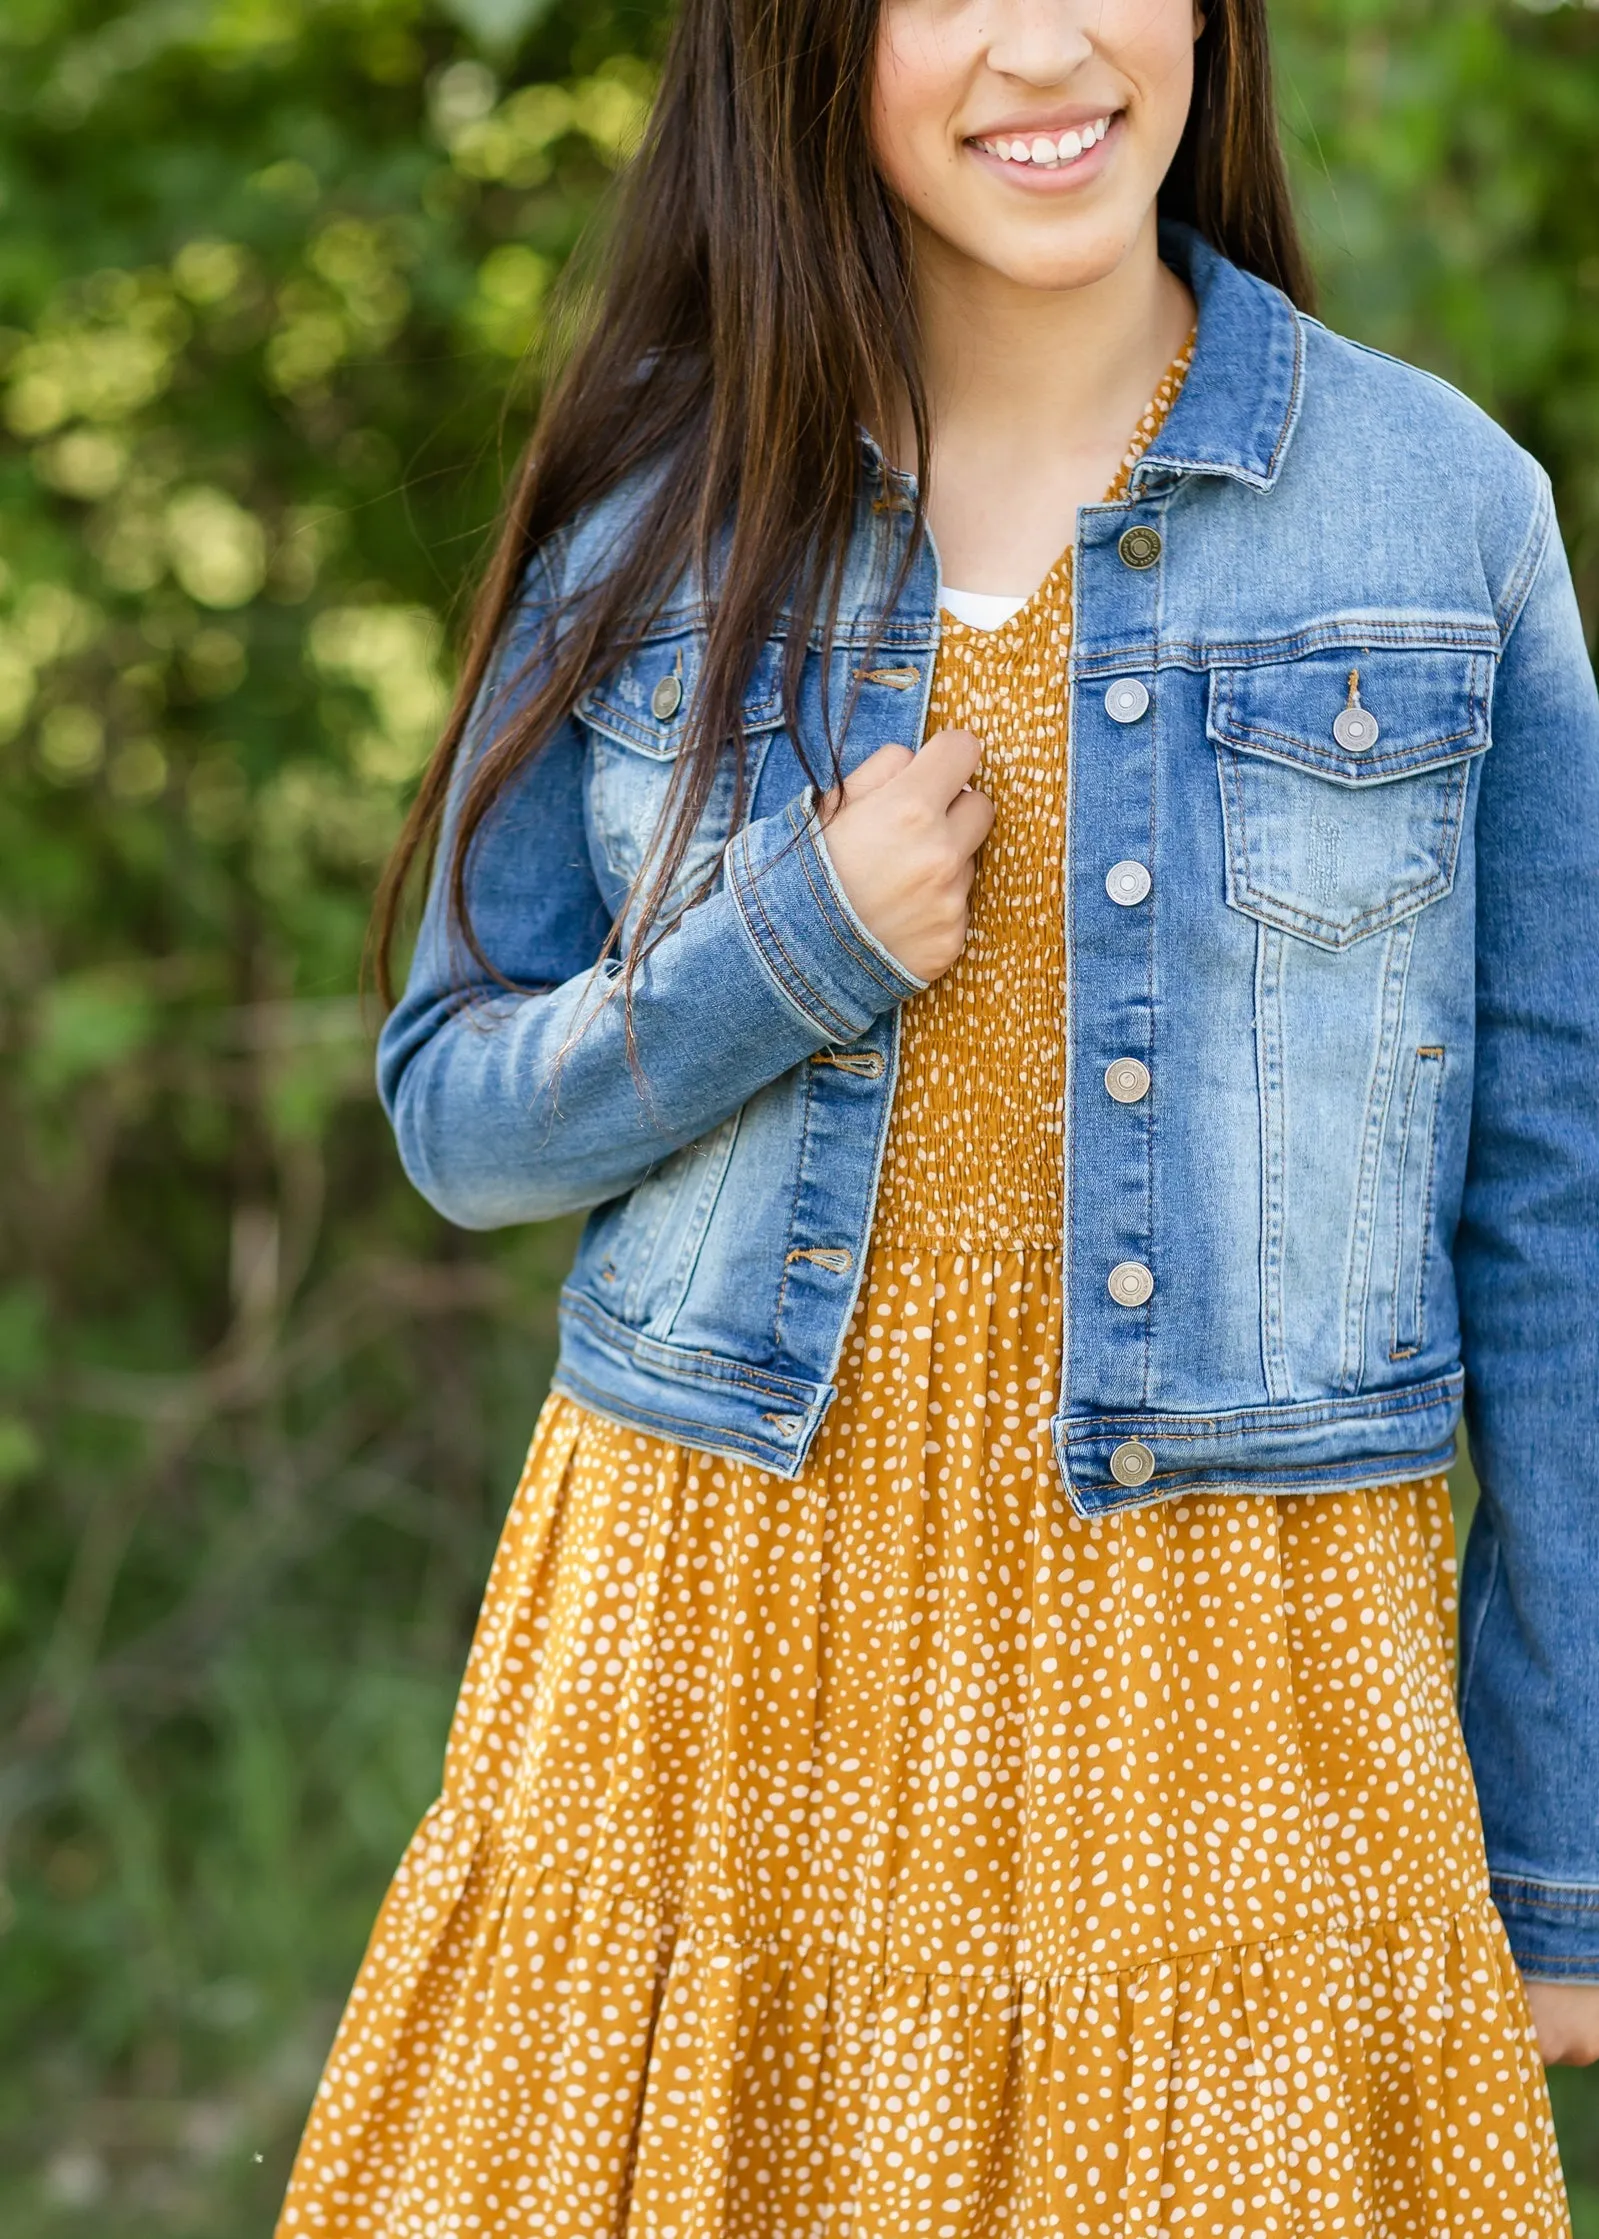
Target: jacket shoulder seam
<point x="1408" y="366"/>
<point x="1518" y="587"/>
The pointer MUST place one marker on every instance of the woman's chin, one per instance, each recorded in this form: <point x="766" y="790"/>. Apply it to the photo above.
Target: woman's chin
<point x="1068" y="252"/>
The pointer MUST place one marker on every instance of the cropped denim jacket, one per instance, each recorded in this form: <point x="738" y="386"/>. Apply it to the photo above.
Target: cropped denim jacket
<point x="1332" y="877"/>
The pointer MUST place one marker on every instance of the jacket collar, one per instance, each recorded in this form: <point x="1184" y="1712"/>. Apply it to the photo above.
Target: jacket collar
<point x="1237" y="410"/>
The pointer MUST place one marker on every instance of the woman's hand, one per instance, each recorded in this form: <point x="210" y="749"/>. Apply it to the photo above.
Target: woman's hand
<point x="903" y="842"/>
<point x="1566" y="2015"/>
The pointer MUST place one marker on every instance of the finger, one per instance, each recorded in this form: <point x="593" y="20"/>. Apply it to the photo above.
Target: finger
<point x="876" y="770"/>
<point x="970" y="820"/>
<point x="944" y="765"/>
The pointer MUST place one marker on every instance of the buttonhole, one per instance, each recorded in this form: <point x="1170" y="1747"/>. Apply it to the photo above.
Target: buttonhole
<point x="866" y="1065"/>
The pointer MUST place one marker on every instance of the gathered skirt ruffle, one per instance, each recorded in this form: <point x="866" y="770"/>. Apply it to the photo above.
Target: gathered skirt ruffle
<point x="557" y="2047"/>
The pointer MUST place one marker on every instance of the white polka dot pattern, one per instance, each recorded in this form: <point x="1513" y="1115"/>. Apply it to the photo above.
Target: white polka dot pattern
<point x="892" y="1854"/>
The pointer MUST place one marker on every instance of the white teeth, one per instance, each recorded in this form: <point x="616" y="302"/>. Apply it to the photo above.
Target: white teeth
<point x="1049" y="154"/>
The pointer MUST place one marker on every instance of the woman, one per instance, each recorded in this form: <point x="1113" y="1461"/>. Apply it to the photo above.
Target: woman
<point x="960" y="1739"/>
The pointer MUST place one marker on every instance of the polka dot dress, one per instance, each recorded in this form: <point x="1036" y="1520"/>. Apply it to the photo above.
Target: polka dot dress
<point x="892" y="1854"/>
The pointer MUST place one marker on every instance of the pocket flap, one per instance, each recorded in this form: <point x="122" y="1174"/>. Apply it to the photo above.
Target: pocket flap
<point x="1430" y="705"/>
<point x="644" y="702"/>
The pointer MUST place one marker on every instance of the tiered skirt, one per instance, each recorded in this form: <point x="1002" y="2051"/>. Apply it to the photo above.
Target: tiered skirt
<point x="891" y="1854"/>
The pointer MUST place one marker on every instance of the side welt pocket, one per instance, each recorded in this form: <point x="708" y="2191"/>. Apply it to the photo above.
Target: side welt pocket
<point x="1417" y="1149"/>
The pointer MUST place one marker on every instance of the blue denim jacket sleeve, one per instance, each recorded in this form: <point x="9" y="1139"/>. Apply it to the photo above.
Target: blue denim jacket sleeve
<point x="1527" y="1264"/>
<point x="519" y="1106"/>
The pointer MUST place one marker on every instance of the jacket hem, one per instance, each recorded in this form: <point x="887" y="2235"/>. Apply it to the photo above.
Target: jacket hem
<point x="761" y="1414"/>
<point x="1372" y="1438"/>
<point x="700" y="1399"/>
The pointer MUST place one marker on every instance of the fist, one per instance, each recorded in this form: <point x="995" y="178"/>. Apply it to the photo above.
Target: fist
<point x="902" y="834"/>
<point x="1566" y="2016"/>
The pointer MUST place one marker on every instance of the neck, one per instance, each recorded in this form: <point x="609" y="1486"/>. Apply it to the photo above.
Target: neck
<point x="1034" y="359"/>
<point x="1033" y="394"/>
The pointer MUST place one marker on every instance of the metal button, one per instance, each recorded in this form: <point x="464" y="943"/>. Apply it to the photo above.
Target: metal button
<point x="1126" y="700"/>
<point x="1131" y="1283"/>
<point x="1127" y="1080"/>
<point x="666" y="698"/>
<point x="1132" y="1463"/>
<point x="1356" y="729"/>
<point x="1139" y="546"/>
<point x="1127" y="883"/>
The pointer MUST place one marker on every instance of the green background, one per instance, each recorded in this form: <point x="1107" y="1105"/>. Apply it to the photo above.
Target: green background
<point x="268" y="269"/>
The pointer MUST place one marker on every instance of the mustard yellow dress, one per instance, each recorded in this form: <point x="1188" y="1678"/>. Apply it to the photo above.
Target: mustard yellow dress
<point x="891" y="1854"/>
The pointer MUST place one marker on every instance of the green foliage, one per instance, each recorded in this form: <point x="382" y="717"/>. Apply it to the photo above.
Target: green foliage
<point x="268" y="271"/>
<point x="1448" y="170"/>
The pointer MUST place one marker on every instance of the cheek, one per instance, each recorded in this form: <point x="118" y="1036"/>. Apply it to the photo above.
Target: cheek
<point x="915" y="88"/>
<point x="1153" y="42"/>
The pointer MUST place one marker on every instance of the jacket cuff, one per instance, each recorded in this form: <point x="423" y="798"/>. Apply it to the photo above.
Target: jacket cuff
<point x="1553" y="1927"/>
<point x="821" y="957"/>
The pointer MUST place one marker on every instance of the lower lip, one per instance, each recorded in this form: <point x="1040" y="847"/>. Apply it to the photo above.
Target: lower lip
<point x="1037" y="178"/>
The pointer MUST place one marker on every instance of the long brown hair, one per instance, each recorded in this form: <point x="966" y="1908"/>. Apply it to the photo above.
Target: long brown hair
<point x="754" y="308"/>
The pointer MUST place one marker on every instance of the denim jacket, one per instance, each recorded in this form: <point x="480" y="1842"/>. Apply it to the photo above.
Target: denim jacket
<point x="1332" y="877"/>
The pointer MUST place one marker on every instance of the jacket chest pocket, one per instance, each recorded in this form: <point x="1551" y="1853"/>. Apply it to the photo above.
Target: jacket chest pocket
<point x="636" y="723"/>
<point x="1343" y="784"/>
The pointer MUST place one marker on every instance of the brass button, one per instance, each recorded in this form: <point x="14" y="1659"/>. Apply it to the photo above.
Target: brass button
<point x="1131" y="1283"/>
<point x="1127" y="1080"/>
<point x="1139" y="546"/>
<point x="666" y="698"/>
<point x="1132" y="1463"/>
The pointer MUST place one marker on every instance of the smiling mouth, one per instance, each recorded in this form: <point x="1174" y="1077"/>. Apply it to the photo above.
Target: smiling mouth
<point x="1048" y="151"/>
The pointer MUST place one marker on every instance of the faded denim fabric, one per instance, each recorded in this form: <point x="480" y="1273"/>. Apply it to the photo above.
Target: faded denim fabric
<point x="1364" y="978"/>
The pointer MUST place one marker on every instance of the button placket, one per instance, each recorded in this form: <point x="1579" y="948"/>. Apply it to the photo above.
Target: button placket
<point x="1120" y="597"/>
